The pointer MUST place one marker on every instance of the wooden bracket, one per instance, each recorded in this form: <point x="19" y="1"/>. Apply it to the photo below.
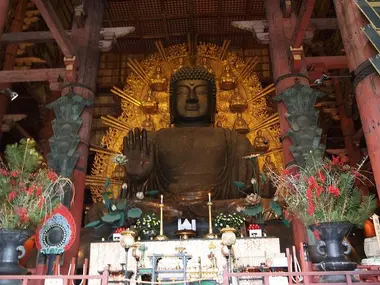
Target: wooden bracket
<point x="297" y="55"/>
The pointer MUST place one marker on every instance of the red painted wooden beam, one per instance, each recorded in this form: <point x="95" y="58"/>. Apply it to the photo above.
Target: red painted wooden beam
<point x="303" y="21"/>
<point x="52" y="21"/>
<point x="329" y="62"/>
<point x="3" y="14"/>
<point x="32" y="75"/>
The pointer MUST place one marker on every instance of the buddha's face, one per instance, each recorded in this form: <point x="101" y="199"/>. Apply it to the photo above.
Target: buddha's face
<point x="192" y="100"/>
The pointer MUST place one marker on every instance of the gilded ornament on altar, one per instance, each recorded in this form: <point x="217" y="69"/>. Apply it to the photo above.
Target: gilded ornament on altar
<point x="150" y="110"/>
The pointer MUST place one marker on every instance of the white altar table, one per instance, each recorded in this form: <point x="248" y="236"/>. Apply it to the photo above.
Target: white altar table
<point x="246" y="251"/>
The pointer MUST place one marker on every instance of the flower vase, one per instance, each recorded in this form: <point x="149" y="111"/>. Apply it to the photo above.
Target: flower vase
<point x="331" y="245"/>
<point x="11" y="251"/>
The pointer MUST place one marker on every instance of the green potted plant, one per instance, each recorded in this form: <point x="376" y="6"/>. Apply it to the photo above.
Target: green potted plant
<point x="324" y="196"/>
<point x="29" y="192"/>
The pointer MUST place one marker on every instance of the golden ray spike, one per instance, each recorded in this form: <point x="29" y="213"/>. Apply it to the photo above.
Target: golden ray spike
<point x="274" y="150"/>
<point x="248" y="68"/>
<point x="101" y="150"/>
<point x="222" y="49"/>
<point x="138" y="65"/>
<point x="161" y="50"/>
<point x="125" y="96"/>
<point x="225" y="51"/>
<point x="113" y="124"/>
<point x="268" y="122"/>
<point x="136" y="70"/>
<point x="116" y="121"/>
<point x="121" y="122"/>
<point x="260" y="95"/>
<point x="245" y="67"/>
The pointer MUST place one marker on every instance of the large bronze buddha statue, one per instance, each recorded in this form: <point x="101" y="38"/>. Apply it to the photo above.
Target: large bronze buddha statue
<point x="192" y="158"/>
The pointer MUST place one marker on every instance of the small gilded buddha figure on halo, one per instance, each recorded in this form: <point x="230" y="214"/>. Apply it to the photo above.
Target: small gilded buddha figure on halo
<point x="227" y="79"/>
<point x="261" y="144"/>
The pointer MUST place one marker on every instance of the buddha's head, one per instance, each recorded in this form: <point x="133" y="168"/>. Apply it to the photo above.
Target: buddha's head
<point x="192" y="97"/>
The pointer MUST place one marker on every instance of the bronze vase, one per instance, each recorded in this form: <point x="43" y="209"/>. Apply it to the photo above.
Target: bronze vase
<point x="333" y="247"/>
<point x="11" y="251"/>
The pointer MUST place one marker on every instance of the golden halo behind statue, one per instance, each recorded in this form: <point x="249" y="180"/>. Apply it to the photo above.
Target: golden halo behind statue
<point x="241" y="105"/>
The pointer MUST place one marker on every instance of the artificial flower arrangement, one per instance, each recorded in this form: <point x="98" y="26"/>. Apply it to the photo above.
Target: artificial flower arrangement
<point x="257" y="209"/>
<point x="148" y="224"/>
<point x="29" y="190"/>
<point x="323" y="190"/>
<point x="233" y="220"/>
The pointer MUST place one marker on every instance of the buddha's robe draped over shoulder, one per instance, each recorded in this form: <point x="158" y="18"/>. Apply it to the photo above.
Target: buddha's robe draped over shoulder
<point x="190" y="162"/>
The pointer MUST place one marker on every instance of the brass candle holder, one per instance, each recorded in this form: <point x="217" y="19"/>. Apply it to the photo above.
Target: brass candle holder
<point x="161" y="236"/>
<point x="210" y="234"/>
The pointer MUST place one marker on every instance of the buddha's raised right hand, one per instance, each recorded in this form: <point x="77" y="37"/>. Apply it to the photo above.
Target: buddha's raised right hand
<point x="140" y="155"/>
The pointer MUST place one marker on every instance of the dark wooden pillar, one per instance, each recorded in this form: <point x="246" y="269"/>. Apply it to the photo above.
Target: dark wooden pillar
<point x="47" y="116"/>
<point x="86" y="41"/>
<point x="347" y="125"/>
<point x="284" y="78"/>
<point x="366" y="82"/>
<point x="11" y="49"/>
<point x="4" y="6"/>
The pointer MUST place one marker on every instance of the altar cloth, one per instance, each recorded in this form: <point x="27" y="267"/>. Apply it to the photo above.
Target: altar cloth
<point x="246" y="252"/>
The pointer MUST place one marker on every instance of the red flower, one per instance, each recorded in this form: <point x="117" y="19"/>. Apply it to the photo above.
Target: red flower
<point x="335" y="160"/>
<point x="312" y="182"/>
<point x="15" y="173"/>
<point x="12" y="196"/>
<point x="334" y="190"/>
<point x="31" y="189"/>
<point x="316" y="234"/>
<point x="41" y="202"/>
<point x="4" y="172"/>
<point x="52" y="175"/>
<point x="311" y="208"/>
<point x="285" y="172"/>
<point x="23" y="214"/>
<point x="39" y="191"/>
<point x="321" y="176"/>
<point x="319" y="190"/>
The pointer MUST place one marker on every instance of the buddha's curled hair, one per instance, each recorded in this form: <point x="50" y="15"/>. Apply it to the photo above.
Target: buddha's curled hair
<point x="193" y="73"/>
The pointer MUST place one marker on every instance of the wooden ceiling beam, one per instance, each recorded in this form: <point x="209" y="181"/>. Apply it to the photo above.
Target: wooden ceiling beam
<point x="303" y="22"/>
<point x="32" y="75"/>
<point x="55" y="26"/>
<point x="27" y="37"/>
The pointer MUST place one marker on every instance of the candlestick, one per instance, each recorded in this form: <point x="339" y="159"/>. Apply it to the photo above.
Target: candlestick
<point x="209" y="197"/>
<point x="161" y="236"/>
<point x="210" y="234"/>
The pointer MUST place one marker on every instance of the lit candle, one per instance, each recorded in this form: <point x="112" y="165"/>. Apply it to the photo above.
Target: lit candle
<point x="162" y="199"/>
<point x="209" y="197"/>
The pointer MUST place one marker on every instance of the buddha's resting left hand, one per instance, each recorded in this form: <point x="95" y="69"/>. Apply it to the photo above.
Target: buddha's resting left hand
<point x="140" y="155"/>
